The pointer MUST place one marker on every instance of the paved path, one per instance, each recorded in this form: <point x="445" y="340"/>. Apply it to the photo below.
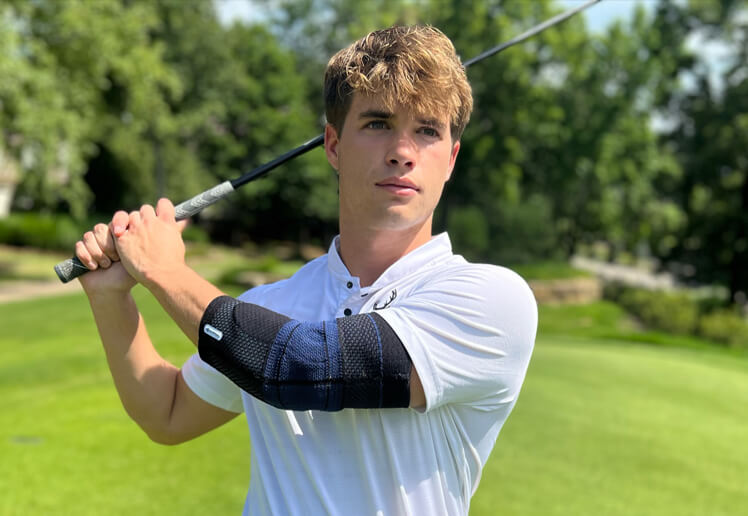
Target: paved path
<point x="19" y="290"/>
<point x="643" y="277"/>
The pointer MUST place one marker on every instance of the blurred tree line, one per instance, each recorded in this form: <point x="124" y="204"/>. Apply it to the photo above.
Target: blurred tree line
<point x="627" y="137"/>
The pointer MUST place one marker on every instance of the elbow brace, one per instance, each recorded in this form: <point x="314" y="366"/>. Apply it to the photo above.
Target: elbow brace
<point x="352" y="362"/>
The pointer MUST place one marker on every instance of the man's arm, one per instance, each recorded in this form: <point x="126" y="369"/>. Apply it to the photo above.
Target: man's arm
<point x="152" y="251"/>
<point x="186" y="296"/>
<point x="151" y="389"/>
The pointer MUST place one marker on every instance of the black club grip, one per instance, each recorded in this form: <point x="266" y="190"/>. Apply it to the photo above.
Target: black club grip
<point x="72" y="267"/>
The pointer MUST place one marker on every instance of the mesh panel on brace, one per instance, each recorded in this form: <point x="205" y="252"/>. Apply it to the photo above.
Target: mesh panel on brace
<point x="396" y="385"/>
<point x="360" y="350"/>
<point x="258" y="321"/>
<point x="360" y="347"/>
<point x="240" y="355"/>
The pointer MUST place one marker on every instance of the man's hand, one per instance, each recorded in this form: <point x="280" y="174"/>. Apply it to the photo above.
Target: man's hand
<point x="149" y="242"/>
<point x="97" y="251"/>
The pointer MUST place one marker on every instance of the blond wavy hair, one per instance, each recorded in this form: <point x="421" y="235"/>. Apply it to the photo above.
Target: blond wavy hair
<point x="413" y="66"/>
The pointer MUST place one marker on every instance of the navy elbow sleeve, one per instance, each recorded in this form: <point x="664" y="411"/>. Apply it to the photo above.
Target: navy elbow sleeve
<point x="352" y="362"/>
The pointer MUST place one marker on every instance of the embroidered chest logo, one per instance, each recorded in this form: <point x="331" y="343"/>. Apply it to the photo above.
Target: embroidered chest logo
<point x="387" y="303"/>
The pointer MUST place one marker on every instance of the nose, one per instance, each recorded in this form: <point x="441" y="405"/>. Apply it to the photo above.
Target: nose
<point x="402" y="152"/>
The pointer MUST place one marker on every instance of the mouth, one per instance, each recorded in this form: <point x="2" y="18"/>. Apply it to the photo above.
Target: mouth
<point x="399" y="186"/>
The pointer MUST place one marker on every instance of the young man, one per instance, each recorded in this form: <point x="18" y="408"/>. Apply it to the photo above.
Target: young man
<point x="377" y="378"/>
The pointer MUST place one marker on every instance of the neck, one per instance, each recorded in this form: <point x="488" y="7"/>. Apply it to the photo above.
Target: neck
<point x="368" y="253"/>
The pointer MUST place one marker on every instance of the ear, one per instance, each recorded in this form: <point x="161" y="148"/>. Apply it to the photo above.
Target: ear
<point x="331" y="146"/>
<point x="453" y="159"/>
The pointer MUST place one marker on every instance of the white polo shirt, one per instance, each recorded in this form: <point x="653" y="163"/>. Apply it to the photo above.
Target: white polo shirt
<point x="469" y="330"/>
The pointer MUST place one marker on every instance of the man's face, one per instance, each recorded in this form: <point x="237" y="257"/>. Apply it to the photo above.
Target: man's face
<point x="392" y="165"/>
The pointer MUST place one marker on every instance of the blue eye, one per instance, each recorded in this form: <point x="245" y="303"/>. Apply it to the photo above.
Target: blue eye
<point x="377" y="124"/>
<point x="430" y="131"/>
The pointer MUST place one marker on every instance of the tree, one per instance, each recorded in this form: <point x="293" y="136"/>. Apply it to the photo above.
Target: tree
<point x="559" y="150"/>
<point x="710" y="137"/>
<point x="564" y="118"/>
<point x="81" y="72"/>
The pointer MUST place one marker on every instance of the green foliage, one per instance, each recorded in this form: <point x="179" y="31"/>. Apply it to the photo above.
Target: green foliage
<point x="469" y="230"/>
<point x="608" y="321"/>
<point x="683" y="314"/>
<point x="726" y="326"/>
<point x="710" y="136"/>
<point x="195" y="234"/>
<point x="673" y="312"/>
<point x="136" y="100"/>
<point x="110" y="104"/>
<point x="265" y="114"/>
<point x="40" y="231"/>
<point x="86" y="75"/>
<point x="548" y="271"/>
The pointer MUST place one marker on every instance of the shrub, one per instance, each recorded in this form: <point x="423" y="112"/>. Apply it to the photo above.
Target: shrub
<point x="196" y="234"/>
<point x="668" y="311"/>
<point x="682" y="313"/>
<point x="469" y="230"/>
<point x="58" y="232"/>
<point x="725" y="326"/>
<point x="513" y="233"/>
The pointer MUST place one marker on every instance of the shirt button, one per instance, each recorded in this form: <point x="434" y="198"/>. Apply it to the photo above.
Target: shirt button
<point x="347" y="311"/>
<point x="349" y="284"/>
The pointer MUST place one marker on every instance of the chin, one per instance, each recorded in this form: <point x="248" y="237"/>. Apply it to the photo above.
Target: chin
<point x="396" y="220"/>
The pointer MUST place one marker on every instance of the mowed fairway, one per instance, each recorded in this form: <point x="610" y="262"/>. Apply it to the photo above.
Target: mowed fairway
<point x="623" y="429"/>
<point x="602" y="427"/>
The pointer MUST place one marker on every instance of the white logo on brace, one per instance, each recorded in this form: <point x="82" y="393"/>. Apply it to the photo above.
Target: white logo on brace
<point x="213" y="332"/>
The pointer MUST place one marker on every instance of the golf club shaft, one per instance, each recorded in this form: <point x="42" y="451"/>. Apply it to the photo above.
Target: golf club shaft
<point x="72" y="268"/>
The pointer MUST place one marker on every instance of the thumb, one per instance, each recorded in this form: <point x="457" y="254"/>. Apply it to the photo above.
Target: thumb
<point x="165" y="210"/>
<point x="181" y="224"/>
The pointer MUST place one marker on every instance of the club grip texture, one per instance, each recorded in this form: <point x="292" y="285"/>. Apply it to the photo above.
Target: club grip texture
<point x="70" y="269"/>
<point x="201" y="201"/>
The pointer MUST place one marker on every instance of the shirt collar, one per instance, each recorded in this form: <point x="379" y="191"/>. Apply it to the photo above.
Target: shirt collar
<point x="436" y="250"/>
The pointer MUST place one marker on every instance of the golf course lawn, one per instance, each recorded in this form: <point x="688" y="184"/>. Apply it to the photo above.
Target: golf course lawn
<point x="603" y="426"/>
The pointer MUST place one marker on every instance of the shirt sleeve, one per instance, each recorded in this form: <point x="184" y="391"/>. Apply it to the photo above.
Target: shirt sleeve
<point x="470" y="335"/>
<point x="210" y="384"/>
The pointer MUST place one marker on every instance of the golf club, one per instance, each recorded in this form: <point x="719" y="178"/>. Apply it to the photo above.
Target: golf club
<point x="72" y="267"/>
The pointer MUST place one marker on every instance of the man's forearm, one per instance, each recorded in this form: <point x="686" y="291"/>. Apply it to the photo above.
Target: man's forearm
<point x="144" y="380"/>
<point x="185" y="295"/>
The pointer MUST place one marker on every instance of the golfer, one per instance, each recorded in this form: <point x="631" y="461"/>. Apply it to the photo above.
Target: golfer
<point x="377" y="378"/>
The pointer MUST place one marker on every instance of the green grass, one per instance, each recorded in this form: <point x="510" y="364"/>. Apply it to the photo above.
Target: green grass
<point x="620" y="429"/>
<point x="68" y="447"/>
<point x="548" y="271"/>
<point x="18" y="263"/>
<point x="604" y="426"/>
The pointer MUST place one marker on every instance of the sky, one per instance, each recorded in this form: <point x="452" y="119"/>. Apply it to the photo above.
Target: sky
<point x="601" y="15"/>
<point x="598" y="16"/>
